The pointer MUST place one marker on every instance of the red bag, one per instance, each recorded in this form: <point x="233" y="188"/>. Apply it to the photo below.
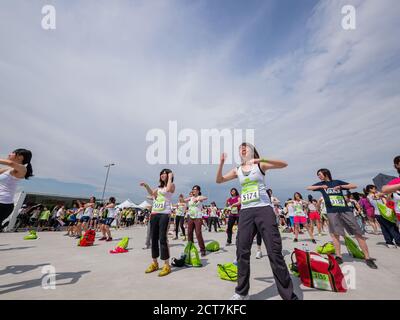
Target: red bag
<point x="319" y="272"/>
<point x="87" y="239"/>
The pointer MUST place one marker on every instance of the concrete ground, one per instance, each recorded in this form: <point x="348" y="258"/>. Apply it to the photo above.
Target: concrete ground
<point x="94" y="273"/>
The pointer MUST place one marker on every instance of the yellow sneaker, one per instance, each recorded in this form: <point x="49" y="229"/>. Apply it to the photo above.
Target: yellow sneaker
<point x="165" y="271"/>
<point x="153" y="267"/>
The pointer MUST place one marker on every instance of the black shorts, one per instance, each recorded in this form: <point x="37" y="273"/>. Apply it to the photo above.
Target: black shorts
<point x="108" y="221"/>
<point x="85" y="219"/>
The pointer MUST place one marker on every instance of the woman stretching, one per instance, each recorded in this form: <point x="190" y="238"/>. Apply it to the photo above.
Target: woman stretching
<point x="159" y="221"/>
<point x="18" y="167"/>
<point x="256" y="214"/>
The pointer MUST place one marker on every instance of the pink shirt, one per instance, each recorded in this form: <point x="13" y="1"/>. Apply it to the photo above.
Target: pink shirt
<point x="233" y="200"/>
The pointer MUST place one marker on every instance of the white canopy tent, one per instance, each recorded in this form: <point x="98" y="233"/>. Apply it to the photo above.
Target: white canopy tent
<point x="128" y="204"/>
<point x="145" y="205"/>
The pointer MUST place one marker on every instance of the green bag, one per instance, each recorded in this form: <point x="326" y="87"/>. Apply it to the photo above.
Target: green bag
<point x="123" y="243"/>
<point x="212" y="246"/>
<point x="32" y="235"/>
<point x="228" y="271"/>
<point x="192" y="255"/>
<point x="327" y="248"/>
<point x="353" y="248"/>
<point x="387" y="213"/>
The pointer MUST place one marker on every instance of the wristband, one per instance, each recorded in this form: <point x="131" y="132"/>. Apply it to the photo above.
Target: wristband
<point x="263" y="160"/>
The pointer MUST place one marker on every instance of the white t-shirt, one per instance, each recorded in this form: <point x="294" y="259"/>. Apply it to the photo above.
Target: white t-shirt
<point x="291" y="210"/>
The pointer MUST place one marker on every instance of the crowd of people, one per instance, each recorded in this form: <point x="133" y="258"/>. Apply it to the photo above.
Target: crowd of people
<point x="254" y="212"/>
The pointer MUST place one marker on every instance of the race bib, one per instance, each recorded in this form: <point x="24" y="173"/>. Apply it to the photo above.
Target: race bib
<point x="159" y="203"/>
<point x="298" y="211"/>
<point x="234" y="210"/>
<point x="193" y="212"/>
<point x="250" y="192"/>
<point x="321" y="281"/>
<point x="337" y="201"/>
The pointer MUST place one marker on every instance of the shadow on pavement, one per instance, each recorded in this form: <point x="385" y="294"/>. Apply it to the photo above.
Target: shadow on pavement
<point x="23" y="285"/>
<point x="21" y="268"/>
<point x="272" y="291"/>
<point x="16" y="248"/>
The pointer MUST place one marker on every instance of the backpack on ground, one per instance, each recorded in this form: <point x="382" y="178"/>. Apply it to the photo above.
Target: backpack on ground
<point x="228" y="271"/>
<point x="318" y="272"/>
<point x="353" y="248"/>
<point x="213" y="246"/>
<point x="192" y="255"/>
<point x="32" y="235"/>
<point x="87" y="239"/>
<point x="327" y="248"/>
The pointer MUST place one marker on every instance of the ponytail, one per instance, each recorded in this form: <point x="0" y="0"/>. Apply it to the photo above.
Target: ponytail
<point x="29" y="171"/>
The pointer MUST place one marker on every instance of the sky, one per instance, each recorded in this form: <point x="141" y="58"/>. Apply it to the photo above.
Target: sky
<point x="87" y="93"/>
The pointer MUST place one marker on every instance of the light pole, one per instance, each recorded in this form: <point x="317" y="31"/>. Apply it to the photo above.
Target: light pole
<point x="105" y="183"/>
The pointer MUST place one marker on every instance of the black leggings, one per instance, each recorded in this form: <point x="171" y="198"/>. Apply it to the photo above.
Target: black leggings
<point x="231" y="221"/>
<point x="158" y="229"/>
<point x="179" y="220"/>
<point x="5" y="210"/>
<point x="212" y="221"/>
<point x="262" y="220"/>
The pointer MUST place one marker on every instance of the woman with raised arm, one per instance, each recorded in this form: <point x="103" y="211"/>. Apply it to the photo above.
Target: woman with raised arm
<point x="257" y="214"/>
<point x="106" y="223"/>
<point x="300" y="216"/>
<point x="159" y="221"/>
<point x="86" y="216"/>
<point x="18" y="167"/>
<point x="195" y="220"/>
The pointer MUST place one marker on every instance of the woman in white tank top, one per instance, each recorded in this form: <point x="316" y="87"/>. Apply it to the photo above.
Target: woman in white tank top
<point x="18" y="167"/>
<point x="159" y="220"/>
<point x="256" y="214"/>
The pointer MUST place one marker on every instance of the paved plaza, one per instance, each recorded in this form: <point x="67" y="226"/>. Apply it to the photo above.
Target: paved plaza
<point x="94" y="273"/>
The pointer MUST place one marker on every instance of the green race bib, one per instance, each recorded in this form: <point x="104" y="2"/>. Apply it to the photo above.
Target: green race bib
<point x="234" y="210"/>
<point x="159" y="203"/>
<point x="321" y="281"/>
<point x="250" y="192"/>
<point x="337" y="201"/>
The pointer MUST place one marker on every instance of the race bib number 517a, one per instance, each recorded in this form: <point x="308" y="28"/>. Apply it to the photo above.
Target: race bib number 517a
<point x="337" y="201"/>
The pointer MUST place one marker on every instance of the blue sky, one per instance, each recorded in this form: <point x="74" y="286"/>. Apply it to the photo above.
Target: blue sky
<point x="87" y="93"/>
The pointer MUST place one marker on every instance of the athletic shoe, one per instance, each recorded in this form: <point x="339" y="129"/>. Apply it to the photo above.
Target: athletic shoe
<point x="258" y="255"/>
<point x="370" y="263"/>
<point x="339" y="260"/>
<point x="77" y="237"/>
<point x="239" y="297"/>
<point x="165" y="271"/>
<point x="145" y="248"/>
<point x="109" y="239"/>
<point x="228" y="244"/>
<point x="153" y="267"/>
<point x="295" y="240"/>
<point x="313" y="241"/>
<point x="103" y="238"/>
<point x="391" y="246"/>
<point x="203" y="254"/>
